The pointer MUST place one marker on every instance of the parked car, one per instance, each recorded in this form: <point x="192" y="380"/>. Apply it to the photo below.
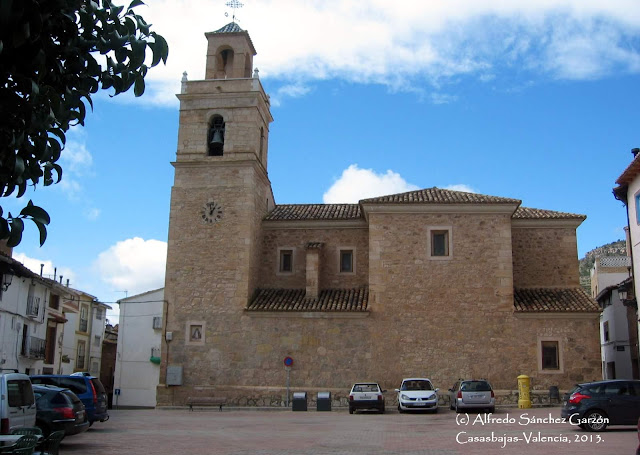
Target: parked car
<point x="59" y="410"/>
<point x="417" y="394"/>
<point x="17" y="403"/>
<point x="472" y="394"/>
<point x="88" y="388"/>
<point x="595" y="405"/>
<point x="366" y="395"/>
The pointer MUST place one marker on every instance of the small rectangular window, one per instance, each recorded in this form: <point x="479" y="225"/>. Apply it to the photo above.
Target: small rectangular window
<point x="346" y="261"/>
<point x="550" y="355"/>
<point x="605" y="330"/>
<point x="286" y="261"/>
<point x="157" y="322"/>
<point x="637" y="198"/>
<point x="439" y="243"/>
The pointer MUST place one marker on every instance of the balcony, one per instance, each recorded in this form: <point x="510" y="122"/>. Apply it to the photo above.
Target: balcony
<point x="34" y="348"/>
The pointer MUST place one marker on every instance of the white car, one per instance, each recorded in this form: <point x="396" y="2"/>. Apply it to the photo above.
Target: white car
<point x="417" y="394"/>
<point x="366" y="395"/>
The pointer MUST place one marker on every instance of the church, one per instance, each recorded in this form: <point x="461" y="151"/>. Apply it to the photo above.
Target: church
<point x="430" y="283"/>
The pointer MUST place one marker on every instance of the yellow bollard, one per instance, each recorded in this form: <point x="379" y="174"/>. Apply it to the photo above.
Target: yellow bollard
<point x="524" y="399"/>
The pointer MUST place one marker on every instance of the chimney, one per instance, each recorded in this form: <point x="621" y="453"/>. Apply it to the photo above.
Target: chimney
<point x="60" y="279"/>
<point x="67" y="282"/>
<point x="55" y="273"/>
<point x="313" y="269"/>
<point x="41" y="269"/>
<point x="635" y="152"/>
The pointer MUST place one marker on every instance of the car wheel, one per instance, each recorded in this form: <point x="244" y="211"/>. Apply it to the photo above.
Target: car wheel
<point x="350" y="410"/>
<point x="399" y="408"/>
<point x="451" y="405"/>
<point x="381" y="410"/>
<point x="457" y="409"/>
<point x="492" y="410"/>
<point x="435" y="410"/>
<point x="595" y="420"/>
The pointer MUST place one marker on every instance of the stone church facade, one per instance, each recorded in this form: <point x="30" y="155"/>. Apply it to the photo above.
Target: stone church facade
<point x="432" y="283"/>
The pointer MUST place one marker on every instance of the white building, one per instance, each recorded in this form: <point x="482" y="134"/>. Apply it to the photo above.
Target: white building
<point x="32" y="319"/>
<point x="83" y="334"/>
<point x="628" y="191"/>
<point x="138" y="356"/>
<point x="614" y="336"/>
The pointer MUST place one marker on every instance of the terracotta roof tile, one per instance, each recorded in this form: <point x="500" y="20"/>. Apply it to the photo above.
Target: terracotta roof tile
<point x="439" y="196"/>
<point x="546" y="300"/>
<point x="314" y="212"/>
<point x="631" y="172"/>
<point x="530" y="213"/>
<point x="329" y="300"/>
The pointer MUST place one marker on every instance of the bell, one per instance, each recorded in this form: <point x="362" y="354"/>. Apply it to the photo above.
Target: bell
<point x="217" y="138"/>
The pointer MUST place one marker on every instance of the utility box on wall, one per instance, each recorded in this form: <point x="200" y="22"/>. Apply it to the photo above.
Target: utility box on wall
<point x="174" y="375"/>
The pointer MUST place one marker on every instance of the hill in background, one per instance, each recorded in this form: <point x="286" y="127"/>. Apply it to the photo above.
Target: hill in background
<point x="617" y="248"/>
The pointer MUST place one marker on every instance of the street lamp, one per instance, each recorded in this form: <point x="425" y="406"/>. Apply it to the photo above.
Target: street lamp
<point x="622" y="292"/>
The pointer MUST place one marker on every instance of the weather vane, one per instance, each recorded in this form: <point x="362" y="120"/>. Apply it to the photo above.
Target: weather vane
<point x="233" y="4"/>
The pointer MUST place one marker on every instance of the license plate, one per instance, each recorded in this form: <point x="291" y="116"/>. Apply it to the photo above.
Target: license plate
<point x="421" y="404"/>
<point x="366" y="397"/>
<point x="477" y="395"/>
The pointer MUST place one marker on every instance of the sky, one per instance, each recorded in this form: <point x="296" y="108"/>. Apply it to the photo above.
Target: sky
<point x="534" y="100"/>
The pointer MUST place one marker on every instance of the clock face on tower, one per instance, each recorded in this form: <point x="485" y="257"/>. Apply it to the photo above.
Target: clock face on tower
<point x="212" y="212"/>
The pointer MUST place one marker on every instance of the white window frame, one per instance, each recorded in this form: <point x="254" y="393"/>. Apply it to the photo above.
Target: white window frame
<point x="340" y="249"/>
<point x="431" y="230"/>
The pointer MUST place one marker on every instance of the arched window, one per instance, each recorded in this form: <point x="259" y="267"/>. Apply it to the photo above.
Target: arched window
<point x="215" y="137"/>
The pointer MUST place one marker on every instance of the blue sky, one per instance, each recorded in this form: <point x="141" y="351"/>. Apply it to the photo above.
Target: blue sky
<point x="535" y="100"/>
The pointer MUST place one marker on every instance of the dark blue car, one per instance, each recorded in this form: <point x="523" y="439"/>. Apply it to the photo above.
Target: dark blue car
<point x="595" y="405"/>
<point x="88" y="388"/>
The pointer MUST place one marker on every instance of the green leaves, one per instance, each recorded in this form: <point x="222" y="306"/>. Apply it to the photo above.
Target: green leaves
<point x="54" y="54"/>
<point x="12" y="228"/>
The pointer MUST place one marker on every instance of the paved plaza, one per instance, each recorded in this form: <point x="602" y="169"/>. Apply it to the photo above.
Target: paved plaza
<point x="283" y="432"/>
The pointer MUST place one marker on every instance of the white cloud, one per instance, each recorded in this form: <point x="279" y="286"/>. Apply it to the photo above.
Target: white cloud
<point x="423" y="43"/>
<point x="49" y="269"/>
<point x="92" y="214"/>
<point x="460" y="187"/>
<point x="289" y="91"/>
<point x="133" y="265"/>
<point x="355" y="184"/>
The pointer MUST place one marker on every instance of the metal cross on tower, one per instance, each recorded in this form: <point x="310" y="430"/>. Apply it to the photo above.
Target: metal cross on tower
<point x="234" y="4"/>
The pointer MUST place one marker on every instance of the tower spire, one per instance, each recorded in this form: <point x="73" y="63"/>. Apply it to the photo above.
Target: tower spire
<point x="233" y="4"/>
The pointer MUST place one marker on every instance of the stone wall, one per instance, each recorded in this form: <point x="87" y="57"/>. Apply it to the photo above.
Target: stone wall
<point x="545" y="257"/>
<point x="296" y="239"/>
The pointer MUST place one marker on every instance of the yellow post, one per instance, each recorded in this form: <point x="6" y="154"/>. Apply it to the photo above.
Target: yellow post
<point x="524" y="399"/>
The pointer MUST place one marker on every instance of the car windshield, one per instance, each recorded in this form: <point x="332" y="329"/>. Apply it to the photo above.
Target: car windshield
<point x="416" y="385"/>
<point x="366" y="388"/>
<point x="475" y="386"/>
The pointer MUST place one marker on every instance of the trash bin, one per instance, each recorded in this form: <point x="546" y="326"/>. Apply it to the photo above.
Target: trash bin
<point x="299" y="401"/>
<point x="323" y="402"/>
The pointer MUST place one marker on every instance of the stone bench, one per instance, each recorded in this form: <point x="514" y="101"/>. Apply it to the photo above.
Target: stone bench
<point x="206" y="401"/>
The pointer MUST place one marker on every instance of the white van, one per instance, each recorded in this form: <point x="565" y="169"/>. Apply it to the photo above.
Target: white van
<point x="17" y="402"/>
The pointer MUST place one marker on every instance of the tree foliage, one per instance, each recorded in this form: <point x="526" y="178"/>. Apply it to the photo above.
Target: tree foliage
<point x="54" y="54"/>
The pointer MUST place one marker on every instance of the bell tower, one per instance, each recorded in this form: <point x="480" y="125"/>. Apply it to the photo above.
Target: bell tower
<point x="221" y="193"/>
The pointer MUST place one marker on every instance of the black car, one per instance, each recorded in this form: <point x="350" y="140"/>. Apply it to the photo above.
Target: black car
<point x="87" y="387"/>
<point x="595" y="405"/>
<point x="59" y="410"/>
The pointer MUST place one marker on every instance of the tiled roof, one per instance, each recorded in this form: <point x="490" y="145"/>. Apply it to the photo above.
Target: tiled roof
<point x="231" y="27"/>
<point x="545" y="300"/>
<point x="329" y="300"/>
<point x="315" y="212"/>
<point x="439" y="196"/>
<point x="630" y="172"/>
<point x="525" y="213"/>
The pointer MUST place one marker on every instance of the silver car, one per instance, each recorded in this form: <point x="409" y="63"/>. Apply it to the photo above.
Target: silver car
<point x="472" y="394"/>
